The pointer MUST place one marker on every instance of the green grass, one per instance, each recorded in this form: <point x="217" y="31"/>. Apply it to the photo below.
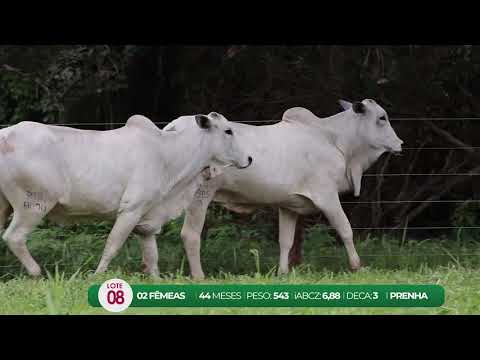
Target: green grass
<point x="239" y="251"/>
<point x="236" y="248"/>
<point x="68" y="295"/>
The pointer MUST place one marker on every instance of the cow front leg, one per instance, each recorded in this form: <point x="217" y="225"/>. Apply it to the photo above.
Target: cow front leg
<point x="148" y="245"/>
<point x="193" y="225"/>
<point x="191" y="236"/>
<point x="287" y="221"/>
<point x="123" y="226"/>
<point x="331" y="207"/>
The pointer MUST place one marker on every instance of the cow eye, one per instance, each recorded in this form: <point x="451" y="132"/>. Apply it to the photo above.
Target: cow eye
<point x="383" y="118"/>
<point x="229" y="132"/>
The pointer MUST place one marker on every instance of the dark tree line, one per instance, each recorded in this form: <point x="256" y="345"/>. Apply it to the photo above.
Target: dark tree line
<point x="106" y="84"/>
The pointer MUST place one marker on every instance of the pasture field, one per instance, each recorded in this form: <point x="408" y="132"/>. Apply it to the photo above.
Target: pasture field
<point x="68" y="295"/>
<point x="239" y="253"/>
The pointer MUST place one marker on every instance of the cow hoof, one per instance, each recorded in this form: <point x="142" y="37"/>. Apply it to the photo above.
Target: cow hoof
<point x="356" y="266"/>
<point x="198" y="277"/>
<point x="35" y="273"/>
<point x="354" y="262"/>
<point x="155" y="276"/>
<point x="282" y="272"/>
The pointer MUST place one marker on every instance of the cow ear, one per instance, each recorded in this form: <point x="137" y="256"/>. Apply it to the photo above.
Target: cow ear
<point x="203" y="121"/>
<point x="345" y="104"/>
<point x="358" y="107"/>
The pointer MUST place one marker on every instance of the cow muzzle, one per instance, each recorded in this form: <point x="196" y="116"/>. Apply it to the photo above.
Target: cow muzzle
<point x="396" y="150"/>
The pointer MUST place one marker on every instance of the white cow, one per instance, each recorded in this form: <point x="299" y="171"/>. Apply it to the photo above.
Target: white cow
<point x="301" y="166"/>
<point x="136" y="174"/>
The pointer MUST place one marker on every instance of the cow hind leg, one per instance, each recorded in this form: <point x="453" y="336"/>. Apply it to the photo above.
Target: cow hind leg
<point x="286" y="221"/>
<point x="295" y="255"/>
<point x="148" y="245"/>
<point x="16" y="238"/>
<point x="330" y="205"/>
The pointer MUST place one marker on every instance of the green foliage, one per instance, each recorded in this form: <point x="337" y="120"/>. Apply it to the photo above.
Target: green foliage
<point x="81" y="71"/>
<point x="18" y="90"/>
<point x="65" y="77"/>
<point x="467" y="215"/>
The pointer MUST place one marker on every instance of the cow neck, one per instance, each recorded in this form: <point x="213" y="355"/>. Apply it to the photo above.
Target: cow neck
<point x="192" y="155"/>
<point x="343" y="134"/>
<point x="358" y="156"/>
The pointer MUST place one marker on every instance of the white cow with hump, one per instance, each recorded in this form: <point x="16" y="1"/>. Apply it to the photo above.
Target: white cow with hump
<point x="301" y="166"/>
<point x="138" y="174"/>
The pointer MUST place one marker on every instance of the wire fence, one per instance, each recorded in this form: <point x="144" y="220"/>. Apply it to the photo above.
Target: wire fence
<point x="466" y="148"/>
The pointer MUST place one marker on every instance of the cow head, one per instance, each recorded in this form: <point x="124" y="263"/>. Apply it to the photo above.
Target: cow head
<point x="374" y="126"/>
<point x="222" y="141"/>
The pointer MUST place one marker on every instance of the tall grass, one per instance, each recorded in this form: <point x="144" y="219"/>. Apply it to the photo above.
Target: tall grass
<point x="238" y="246"/>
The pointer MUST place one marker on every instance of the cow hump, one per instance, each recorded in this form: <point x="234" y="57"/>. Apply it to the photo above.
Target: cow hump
<point x="141" y="121"/>
<point x="298" y="115"/>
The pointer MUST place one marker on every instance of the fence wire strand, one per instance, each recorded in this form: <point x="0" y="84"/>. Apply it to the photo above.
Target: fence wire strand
<point x="423" y="174"/>
<point x="411" y="201"/>
<point x="109" y="124"/>
<point x="268" y="121"/>
<point x="70" y="266"/>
